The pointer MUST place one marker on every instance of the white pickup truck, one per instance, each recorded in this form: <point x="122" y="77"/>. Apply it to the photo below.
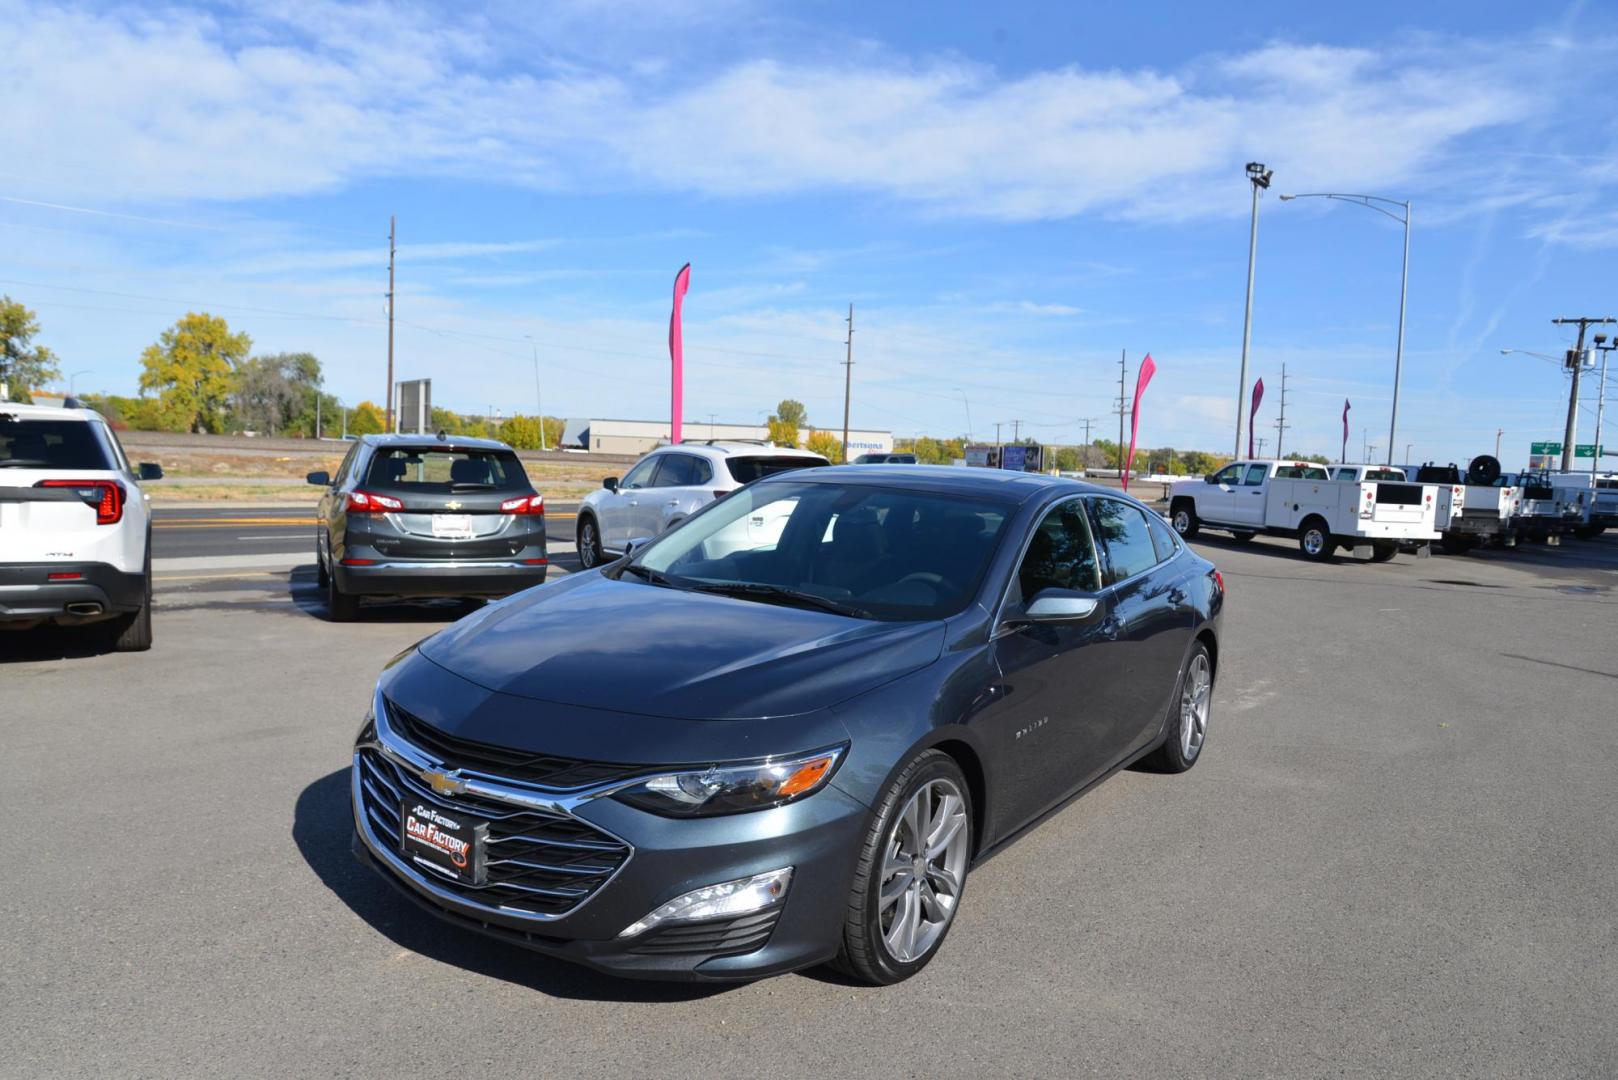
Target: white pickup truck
<point x="1587" y="501"/>
<point x="1372" y="518"/>
<point x="1474" y="506"/>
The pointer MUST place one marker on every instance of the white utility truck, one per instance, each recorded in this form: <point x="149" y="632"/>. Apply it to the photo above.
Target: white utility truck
<point x="1474" y="506"/>
<point x="1372" y="518"/>
<point x="1587" y="501"/>
<point x="1535" y="513"/>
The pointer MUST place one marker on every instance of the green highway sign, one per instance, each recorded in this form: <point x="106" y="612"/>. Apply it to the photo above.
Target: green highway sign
<point x="1545" y="448"/>
<point x="1586" y="450"/>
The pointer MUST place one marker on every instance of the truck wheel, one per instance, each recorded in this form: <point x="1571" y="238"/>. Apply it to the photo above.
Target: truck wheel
<point x="1589" y="532"/>
<point x="1457" y="545"/>
<point x="1183" y="516"/>
<point x="1383" y="552"/>
<point x="1314" y="540"/>
<point x="1242" y="537"/>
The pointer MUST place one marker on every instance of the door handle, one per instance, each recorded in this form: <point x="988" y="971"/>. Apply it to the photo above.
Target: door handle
<point x="672" y="502"/>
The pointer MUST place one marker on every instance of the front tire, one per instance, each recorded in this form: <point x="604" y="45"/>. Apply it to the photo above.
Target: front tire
<point x="589" y="541"/>
<point x="1183" y="516"/>
<point x="911" y="873"/>
<point x="340" y="606"/>
<point x="1314" y="540"/>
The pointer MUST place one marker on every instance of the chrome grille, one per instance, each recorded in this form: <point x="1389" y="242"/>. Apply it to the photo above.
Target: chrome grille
<point x="537" y="863"/>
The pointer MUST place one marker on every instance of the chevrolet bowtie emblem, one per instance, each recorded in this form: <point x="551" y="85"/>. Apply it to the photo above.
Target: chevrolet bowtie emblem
<point x="444" y="783"/>
<point x="452" y="505"/>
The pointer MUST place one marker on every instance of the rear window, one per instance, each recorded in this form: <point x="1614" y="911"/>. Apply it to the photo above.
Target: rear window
<point x="744" y="470"/>
<point x="440" y="470"/>
<point x="1384" y="474"/>
<point x="1127" y="538"/>
<point x="52" y="444"/>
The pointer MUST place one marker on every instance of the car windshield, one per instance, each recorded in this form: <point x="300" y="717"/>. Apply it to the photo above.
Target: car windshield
<point x="440" y="470"/>
<point x="865" y="551"/>
<point x="744" y="470"/>
<point x="51" y="444"/>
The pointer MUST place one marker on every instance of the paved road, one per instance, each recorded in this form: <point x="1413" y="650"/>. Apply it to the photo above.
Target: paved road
<point x="205" y="531"/>
<point x="1395" y="859"/>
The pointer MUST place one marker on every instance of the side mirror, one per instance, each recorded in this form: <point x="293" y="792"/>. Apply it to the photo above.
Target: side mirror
<point x="1059" y="606"/>
<point x="1210" y="479"/>
<point x="611" y="484"/>
<point x="321" y="478"/>
<point x="150" y="471"/>
<point x="634" y="545"/>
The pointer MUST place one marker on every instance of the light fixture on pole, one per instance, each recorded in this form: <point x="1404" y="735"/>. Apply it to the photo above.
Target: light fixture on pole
<point x="72" y="382"/>
<point x="1259" y="177"/>
<point x="1370" y="203"/>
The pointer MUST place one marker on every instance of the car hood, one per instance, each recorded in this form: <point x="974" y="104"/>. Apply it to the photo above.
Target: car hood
<point x="627" y="646"/>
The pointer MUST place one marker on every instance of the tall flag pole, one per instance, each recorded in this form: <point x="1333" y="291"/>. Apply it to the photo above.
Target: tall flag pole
<point x="1147" y="370"/>
<point x="682" y="281"/>
<point x="1252" y="414"/>
<point x="1345" y="431"/>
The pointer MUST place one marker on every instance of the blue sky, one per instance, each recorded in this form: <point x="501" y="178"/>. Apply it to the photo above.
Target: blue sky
<point x="1008" y="197"/>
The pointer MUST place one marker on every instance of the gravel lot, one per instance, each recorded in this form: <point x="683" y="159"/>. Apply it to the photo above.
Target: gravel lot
<point x="1396" y="858"/>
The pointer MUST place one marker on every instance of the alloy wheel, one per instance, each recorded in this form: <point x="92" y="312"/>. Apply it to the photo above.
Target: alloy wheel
<point x="923" y="868"/>
<point x="587" y="545"/>
<point x="1195" y="696"/>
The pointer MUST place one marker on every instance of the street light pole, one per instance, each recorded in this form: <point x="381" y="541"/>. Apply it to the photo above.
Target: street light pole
<point x="1259" y="177"/>
<point x="1601" y="399"/>
<point x="968" y="405"/>
<point x="73" y="382"/>
<point x="539" y="402"/>
<point x="1369" y="202"/>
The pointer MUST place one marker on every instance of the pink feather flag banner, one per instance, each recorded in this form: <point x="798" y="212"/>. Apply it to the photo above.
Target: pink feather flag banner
<point x="1252" y="415"/>
<point x="682" y="281"/>
<point x="1147" y="369"/>
<point x="1345" y="431"/>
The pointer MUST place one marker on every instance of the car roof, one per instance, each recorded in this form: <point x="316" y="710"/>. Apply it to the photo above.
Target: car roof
<point x="1000" y="484"/>
<point x="50" y="412"/>
<point x="465" y="442"/>
<point x="723" y="448"/>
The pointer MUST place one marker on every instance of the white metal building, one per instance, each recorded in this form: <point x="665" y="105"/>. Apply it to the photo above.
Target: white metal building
<point x="639" y="436"/>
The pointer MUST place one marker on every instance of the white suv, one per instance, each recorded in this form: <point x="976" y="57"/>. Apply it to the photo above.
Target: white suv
<point x="75" y="531"/>
<point x="669" y="485"/>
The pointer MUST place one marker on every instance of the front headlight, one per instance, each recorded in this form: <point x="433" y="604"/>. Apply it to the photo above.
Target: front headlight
<point x="732" y="789"/>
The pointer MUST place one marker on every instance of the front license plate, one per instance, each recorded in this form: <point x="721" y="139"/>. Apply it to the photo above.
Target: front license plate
<point x="448" y="843"/>
<point x="453" y="526"/>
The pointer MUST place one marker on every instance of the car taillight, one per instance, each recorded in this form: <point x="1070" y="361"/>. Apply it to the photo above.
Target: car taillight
<point x="107" y="496"/>
<point x="368" y="502"/>
<point x="719" y="495"/>
<point x="1219" y="581"/>
<point x="525" y="504"/>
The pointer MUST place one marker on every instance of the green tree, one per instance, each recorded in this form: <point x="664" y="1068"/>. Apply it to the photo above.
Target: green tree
<point x="274" y="392"/>
<point x="192" y="368"/>
<point x="520" y="433"/>
<point x="24" y="366"/>
<point x="366" y="419"/>
<point x="1068" y="460"/>
<point x="826" y="445"/>
<point x="792" y="412"/>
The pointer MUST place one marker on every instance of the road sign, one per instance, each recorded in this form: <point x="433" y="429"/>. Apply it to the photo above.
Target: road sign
<point x="1545" y="448"/>
<point x="1587" y="450"/>
<point x="415" y="412"/>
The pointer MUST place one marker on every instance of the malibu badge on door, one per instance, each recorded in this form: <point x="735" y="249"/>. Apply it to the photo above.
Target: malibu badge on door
<point x="451" y="845"/>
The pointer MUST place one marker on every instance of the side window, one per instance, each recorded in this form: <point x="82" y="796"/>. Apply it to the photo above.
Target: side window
<point x="703" y="471"/>
<point x="676" y="470"/>
<point x="1123" y="532"/>
<point x="1061" y="554"/>
<point x="347" y="466"/>
<point x="1163" y="538"/>
<point x="1255" y="475"/>
<point x="641" y="475"/>
<point x="1343" y="474"/>
<point x="1230" y="474"/>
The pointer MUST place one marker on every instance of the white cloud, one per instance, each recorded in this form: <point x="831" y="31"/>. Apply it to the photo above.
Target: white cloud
<point x="135" y="105"/>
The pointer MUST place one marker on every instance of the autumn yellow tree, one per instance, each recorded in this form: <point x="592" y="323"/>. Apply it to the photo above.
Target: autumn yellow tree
<point x="192" y="369"/>
<point x="366" y="419"/>
<point x="826" y="445"/>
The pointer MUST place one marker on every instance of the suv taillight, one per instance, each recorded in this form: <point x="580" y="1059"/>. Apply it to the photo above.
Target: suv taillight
<point x="368" y="502"/>
<point x="719" y="495"/>
<point x="107" y="496"/>
<point x="525" y="504"/>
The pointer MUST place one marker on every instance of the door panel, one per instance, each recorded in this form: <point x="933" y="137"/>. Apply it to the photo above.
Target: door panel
<point x="619" y="509"/>
<point x="1247" y="502"/>
<point x="1215" y="502"/>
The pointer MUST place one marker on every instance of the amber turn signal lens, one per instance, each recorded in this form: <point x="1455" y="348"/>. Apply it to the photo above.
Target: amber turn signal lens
<point x="806" y="777"/>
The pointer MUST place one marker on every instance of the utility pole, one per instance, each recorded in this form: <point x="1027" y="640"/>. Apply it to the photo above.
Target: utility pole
<point x="1261" y="441"/>
<point x="539" y="402"/>
<point x="1123" y="404"/>
<point x="1016" y="431"/>
<point x="1281" y="424"/>
<point x="1087" y="421"/>
<point x="1365" y="443"/>
<point x="848" y="377"/>
<point x="1259" y="176"/>
<point x="391" y="248"/>
<point x="1577" y="359"/>
<point x="1601" y="399"/>
<point x="997" y="424"/>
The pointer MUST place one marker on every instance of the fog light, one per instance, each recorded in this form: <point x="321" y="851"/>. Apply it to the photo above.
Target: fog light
<point x="740" y="897"/>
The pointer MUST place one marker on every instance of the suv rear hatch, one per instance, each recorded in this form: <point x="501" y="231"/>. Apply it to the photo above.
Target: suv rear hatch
<point x="455" y="503"/>
<point x="746" y="468"/>
<point x="58" y="485"/>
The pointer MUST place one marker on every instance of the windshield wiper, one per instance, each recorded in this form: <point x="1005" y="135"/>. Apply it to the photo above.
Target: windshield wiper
<point x="653" y="577"/>
<point x="761" y="591"/>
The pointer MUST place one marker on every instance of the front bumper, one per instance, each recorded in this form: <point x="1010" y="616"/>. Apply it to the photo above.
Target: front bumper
<point x="428" y="579"/>
<point x="28" y="595"/>
<point x="818" y="836"/>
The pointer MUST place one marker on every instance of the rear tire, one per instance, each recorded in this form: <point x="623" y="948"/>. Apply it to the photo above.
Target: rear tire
<point x="1187" y="722"/>
<point x="1242" y="537"/>
<point x="927" y="808"/>
<point x="1456" y="545"/>
<point x="589" y="541"/>
<point x="1589" y="532"/>
<point x="1383" y="552"/>
<point x="1183" y="516"/>
<point x="322" y="578"/>
<point x="133" y="632"/>
<point x="340" y="606"/>
<point x="1314" y="540"/>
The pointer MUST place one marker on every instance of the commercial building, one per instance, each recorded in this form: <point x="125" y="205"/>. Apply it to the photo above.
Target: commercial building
<point x="639" y="436"/>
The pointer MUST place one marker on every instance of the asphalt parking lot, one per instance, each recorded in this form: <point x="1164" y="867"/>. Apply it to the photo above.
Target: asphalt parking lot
<point x="1395" y="858"/>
